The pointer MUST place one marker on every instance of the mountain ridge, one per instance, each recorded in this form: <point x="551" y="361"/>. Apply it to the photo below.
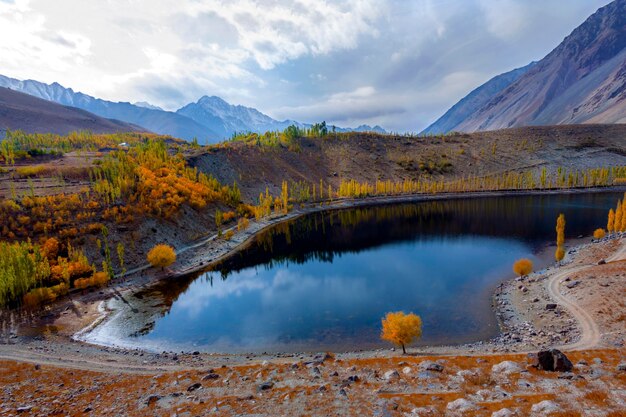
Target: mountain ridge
<point x="582" y="80"/>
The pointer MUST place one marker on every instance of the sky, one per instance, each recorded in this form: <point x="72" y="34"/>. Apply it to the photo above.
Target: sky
<point x="396" y="63"/>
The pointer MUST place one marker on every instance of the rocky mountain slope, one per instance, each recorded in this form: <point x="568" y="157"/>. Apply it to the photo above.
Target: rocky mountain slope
<point x="34" y="115"/>
<point x="474" y="100"/>
<point x="583" y="80"/>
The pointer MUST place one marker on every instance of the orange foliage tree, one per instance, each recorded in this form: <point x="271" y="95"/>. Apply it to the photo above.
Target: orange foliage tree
<point x="599" y="233"/>
<point x="523" y="267"/>
<point x="161" y="256"/>
<point x="401" y="329"/>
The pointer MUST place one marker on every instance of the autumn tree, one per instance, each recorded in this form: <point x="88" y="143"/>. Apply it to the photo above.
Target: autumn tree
<point x="599" y="233"/>
<point x="401" y="329"/>
<point x="618" y="216"/>
<point x="161" y="256"/>
<point x="610" y="224"/>
<point x="559" y="254"/>
<point x="523" y="267"/>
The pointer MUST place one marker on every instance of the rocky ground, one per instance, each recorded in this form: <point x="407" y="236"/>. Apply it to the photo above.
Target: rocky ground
<point x="48" y="374"/>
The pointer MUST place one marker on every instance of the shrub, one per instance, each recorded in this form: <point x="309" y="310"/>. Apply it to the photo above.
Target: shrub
<point x="523" y="267"/>
<point x="161" y="256"/>
<point x="99" y="279"/>
<point x="599" y="233"/>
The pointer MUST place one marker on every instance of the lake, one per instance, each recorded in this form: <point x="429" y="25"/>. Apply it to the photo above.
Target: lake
<point x="325" y="280"/>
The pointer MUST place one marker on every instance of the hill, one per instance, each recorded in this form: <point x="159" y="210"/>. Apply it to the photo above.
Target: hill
<point x="34" y="115"/>
<point x="583" y="80"/>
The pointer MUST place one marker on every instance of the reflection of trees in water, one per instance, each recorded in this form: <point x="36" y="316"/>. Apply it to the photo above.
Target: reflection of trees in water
<point x="323" y="236"/>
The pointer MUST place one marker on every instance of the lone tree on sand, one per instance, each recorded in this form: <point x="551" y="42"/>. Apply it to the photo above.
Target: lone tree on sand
<point x="523" y="267"/>
<point x="599" y="233"/>
<point x="401" y="329"/>
<point x="161" y="256"/>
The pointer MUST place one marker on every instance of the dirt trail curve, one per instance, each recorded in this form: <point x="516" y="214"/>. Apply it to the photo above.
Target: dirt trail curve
<point x="590" y="335"/>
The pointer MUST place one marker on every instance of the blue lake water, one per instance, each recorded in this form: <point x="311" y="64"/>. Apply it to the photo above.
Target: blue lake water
<point x="323" y="281"/>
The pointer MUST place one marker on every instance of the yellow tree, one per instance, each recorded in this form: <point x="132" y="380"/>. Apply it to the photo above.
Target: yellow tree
<point x="559" y="254"/>
<point x="523" y="267"/>
<point x="560" y="238"/>
<point x="401" y="329"/>
<point x="161" y="256"/>
<point x="611" y="221"/>
<point x="623" y="223"/>
<point x="599" y="233"/>
<point x="618" y="217"/>
<point x="560" y="230"/>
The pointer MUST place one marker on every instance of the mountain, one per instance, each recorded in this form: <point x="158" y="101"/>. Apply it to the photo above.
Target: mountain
<point x="210" y="119"/>
<point x="475" y="100"/>
<point x="226" y="119"/>
<point x="155" y="120"/>
<point x="146" y="105"/>
<point x="583" y="80"/>
<point x="34" y="115"/>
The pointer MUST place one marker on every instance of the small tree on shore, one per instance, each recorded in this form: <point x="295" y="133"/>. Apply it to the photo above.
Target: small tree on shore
<point x="401" y="329"/>
<point x="523" y="267"/>
<point x="610" y="224"/>
<point x="161" y="256"/>
<point x="559" y="254"/>
<point x="599" y="233"/>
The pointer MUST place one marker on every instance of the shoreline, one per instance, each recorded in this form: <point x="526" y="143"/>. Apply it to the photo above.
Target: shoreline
<point x="499" y="344"/>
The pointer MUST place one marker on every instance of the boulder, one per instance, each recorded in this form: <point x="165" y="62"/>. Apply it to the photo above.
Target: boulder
<point x="505" y="412"/>
<point x="551" y="306"/>
<point x="506" y="367"/>
<point x="393" y="374"/>
<point x="461" y="405"/>
<point x="545" y="407"/>
<point x="264" y="386"/>
<point x="431" y="366"/>
<point x="551" y="360"/>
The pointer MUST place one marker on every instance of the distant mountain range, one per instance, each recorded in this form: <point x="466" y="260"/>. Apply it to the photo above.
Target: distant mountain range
<point x="35" y="115"/>
<point x="210" y="119"/>
<point x="583" y="80"/>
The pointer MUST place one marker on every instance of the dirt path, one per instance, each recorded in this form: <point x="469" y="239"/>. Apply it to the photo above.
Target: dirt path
<point x="589" y="332"/>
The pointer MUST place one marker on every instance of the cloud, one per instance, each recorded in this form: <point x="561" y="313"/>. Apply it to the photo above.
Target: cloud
<point x="391" y="62"/>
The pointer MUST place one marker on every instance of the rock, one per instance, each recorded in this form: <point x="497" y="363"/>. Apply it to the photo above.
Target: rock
<point x="194" y="387"/>
<point x="461" y="405"/>
<point x="343" y="392"/>
<point x="151" y="399"/>
<point x="572" y="284"/>
<point x="545" y="407"/>
<point x="621" y="367"/>
<point x="601" y="262"/>
<point x="506" y="368"/>
<point x="551" y="360"/>
<point x="406" y="370"/>
<point x="505" y="412"/>
<point x="265" y="386"/>
<point x="551" y="306"/>
<point x="210" y="376"/>
<point x="424" y="412"/>
<point x="431" y="366"/>
<point x="24" y="409"/>
<point x="353" y="378"/>
<point x="393" y="374"/>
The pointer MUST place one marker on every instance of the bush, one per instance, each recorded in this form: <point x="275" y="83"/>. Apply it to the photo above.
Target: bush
<point x="99" y="279"/>
<point x="599" y="233"/>
<point x="161" y="256"/>
<point x="523" y="267"/>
